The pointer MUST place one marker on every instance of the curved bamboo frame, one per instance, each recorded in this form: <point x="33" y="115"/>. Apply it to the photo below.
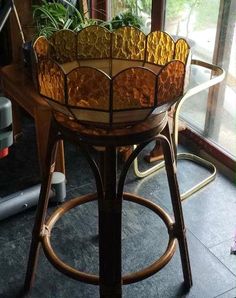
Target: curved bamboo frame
<point x="219" y="76"/>
<point x="94" y="279"/>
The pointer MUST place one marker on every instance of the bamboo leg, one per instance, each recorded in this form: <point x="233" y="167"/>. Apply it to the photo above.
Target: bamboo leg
<point x="110" y="232"/>
<point x="179" y="230"/>
<point x="41" y="209"/>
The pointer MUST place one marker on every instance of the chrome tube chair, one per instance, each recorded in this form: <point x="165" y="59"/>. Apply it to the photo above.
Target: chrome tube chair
<point x="217" y="76"/>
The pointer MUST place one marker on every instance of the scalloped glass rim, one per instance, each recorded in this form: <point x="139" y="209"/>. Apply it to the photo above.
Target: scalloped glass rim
<point x="77" y="86"/>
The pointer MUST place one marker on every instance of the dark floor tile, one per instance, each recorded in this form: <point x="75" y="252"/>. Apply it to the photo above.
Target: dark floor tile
<point x="210" y="277"/>
<point x="12" y="267"/>
<point x="222" y="252"/>
<point x="229" y="294"/>
<point x="210" y="214"/>
<point x="78" y="172"/>
<point x="49" y="283"/>
<point x="80" y="249"/>
<point x="17" y="227"/>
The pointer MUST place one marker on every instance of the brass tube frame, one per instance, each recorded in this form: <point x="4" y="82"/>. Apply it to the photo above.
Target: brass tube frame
<point x="219" y="75"/>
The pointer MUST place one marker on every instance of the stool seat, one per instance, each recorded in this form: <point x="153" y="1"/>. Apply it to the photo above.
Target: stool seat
<point x="140" y="132"/>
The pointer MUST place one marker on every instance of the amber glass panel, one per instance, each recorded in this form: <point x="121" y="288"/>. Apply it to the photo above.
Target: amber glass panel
<point x="119" y="65"/>
<point x="182" y="50"/>
<point x="41" y="47"/>
<point x="101" y="64"/>
<point x="88" y="88"/>
<point x="98" y="117"/>
<point x="51" y="80"/>
<point x="134" y="88"/>
<point x="128" y="43"/>
<point x="170" y="82"/>
<point x="160" y="48"/>
<point x="130" y="116"/>
<point x="93" y="42"/>
<point x="64" y="46"/>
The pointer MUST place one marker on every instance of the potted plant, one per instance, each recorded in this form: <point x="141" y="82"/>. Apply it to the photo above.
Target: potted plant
<point x="126" y="19"/>
<point x="56" y="15"/>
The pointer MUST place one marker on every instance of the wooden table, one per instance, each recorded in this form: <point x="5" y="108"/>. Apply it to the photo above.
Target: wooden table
<point x="18" y="86"/>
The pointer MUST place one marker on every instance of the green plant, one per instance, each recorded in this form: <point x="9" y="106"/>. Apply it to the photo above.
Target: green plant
<point x="135" y="6"/>
<point x="126" y="19"/>
<point x="174" y="8"/>
<point x="53" y="16"/>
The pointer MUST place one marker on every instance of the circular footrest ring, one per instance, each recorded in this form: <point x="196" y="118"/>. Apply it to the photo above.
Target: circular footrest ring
<point x="94" y="279"/>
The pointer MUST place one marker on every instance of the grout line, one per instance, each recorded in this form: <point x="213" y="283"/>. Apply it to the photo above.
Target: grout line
<point x="207" y="248"/>
<point x="212" y="246"/>
<point x="225" y="293"/>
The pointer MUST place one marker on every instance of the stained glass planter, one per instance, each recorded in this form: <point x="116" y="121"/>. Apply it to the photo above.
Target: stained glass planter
<point x="111" y="78"/>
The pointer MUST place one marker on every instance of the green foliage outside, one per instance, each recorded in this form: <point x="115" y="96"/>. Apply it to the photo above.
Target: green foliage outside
<point x="53" y="16"/>
<point x="206" y="14"/>
<point x="125" y="19"/>
<point x="133" y="6"/>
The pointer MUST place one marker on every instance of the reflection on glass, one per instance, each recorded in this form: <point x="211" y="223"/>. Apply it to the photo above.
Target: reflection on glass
<point x="210" y="30"/>
<point x="141" y="8"/>
<point x="192" y="20"/>
<point x="223" y="126"/>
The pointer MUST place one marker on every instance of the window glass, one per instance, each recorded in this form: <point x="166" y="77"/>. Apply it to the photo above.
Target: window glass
<point x="209" y="26"/>
<point x="140" y="8"/>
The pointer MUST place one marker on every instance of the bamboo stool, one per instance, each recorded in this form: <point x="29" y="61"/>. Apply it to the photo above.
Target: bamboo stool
<point x="110" y="89"/>
<point x="109" y="195"/>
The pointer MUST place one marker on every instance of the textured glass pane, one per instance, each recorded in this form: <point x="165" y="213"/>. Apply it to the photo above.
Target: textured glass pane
<point x="130" y="116"/>
<point x="101" y="64"/>
<point x="182" y="50"/>
<point x="88" y="88"/>
<point x="160" y="48"/>
<point x="119" y="65"/>
<point x="64" y="46"/>
<point x="153" y="67"/>
<point x="69" y="66"/>
<point x="128" y="43"/>
<point x="170" y="82"/>
<point x="51" y="80"/>
<point x="134" y="88"/>
<point x="91" y="116"/>
<point x="93" y="42"/>
<point x="41" y="47"/>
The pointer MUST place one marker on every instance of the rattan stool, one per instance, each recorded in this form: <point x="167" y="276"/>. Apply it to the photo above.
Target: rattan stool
<point x="109" y="195"/>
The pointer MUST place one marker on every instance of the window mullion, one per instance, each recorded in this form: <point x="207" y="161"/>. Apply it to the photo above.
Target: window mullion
<point x="216" y="93"/>
<point x="158" y="14"/>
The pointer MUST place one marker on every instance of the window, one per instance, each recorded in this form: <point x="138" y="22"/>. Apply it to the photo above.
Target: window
<point x="210" y="28"/>
<point x="142" y="8"/>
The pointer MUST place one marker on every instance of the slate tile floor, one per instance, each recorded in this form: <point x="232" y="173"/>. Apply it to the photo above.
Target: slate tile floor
<point x="210" y="217"/>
